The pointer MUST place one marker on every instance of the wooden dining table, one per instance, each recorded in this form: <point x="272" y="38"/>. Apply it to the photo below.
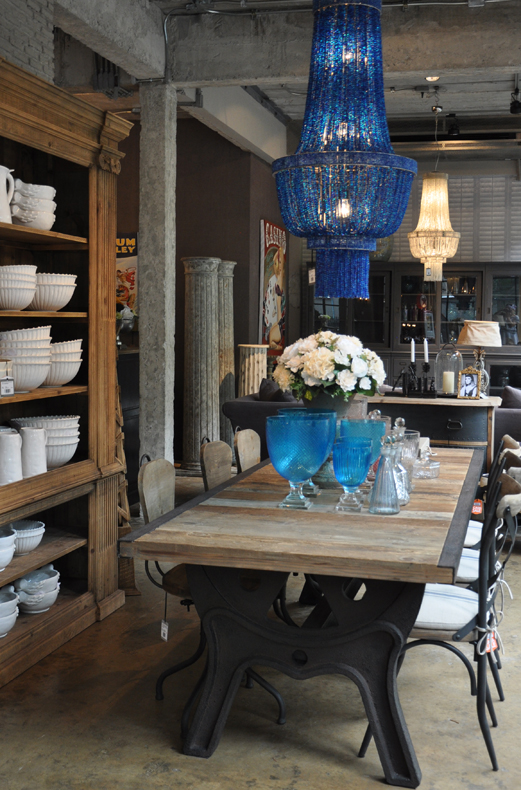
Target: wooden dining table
<point x="240" y="547"/>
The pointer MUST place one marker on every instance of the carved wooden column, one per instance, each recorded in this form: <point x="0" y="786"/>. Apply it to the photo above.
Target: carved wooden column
<point x="226" y="345"/>
<point x="252" y="368"/>
<point x="201" y="365"/>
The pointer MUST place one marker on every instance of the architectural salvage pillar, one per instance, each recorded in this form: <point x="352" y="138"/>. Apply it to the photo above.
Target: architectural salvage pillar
<point x="253" y="363"/>
<point x="201" y="368"/>
<point x="226" y="345"/>
<point x="156" y="269"/>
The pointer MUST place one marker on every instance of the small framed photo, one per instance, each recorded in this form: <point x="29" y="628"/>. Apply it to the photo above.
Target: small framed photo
<point x="469" y="383"/>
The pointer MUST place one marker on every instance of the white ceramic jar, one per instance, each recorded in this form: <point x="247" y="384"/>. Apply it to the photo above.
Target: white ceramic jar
<point x="34" y="456"/>
<point x="10" y="458"/>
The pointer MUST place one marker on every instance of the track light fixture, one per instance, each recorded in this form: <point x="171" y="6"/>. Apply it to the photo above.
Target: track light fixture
<point x="515" y="104"/>
<point x="453" y="130"/>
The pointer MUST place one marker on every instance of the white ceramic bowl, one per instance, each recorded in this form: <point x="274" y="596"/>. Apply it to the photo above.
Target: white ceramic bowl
<point x="7" y="622"/>
<point x="42" y="220"/>
<point x="50" y="278"/>
<point x="66" y="356"/>
<point x="61" y="372"/>
<point x="36" y="333"/>
<point x="13" y="353"/>
<point x="15" y="268"/>
<point x="40" y="581"/>
<point x="16" y="297"/>
<point x="60" y="454"/>
<point x="62" y="433"/>
<point x="29" y="376"/>
<point x="6" y="555"/>
<point x="30" y="343"/>
<point x="28" y="535"/>
<point x="52" y="296"/>
<point x="35" y="190"/>
<point x="7" y="536"/>
<point x="35" y="604"/>
<point x="8" y="602"/>
<point x="32" y="203"/>
<point x="10" y="278"/>
<point x="58" y="441"/>
<point x="66" y="347"/>
<point x="53" y="421"/>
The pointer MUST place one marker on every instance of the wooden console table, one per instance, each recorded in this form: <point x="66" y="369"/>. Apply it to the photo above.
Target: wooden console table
<point x="449" y="422"/>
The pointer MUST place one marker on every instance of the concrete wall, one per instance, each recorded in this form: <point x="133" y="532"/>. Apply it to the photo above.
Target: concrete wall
<point x="26" y="35"/>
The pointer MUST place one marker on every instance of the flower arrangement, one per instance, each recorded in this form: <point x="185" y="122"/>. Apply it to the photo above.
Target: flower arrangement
<point x="326" y="362"/>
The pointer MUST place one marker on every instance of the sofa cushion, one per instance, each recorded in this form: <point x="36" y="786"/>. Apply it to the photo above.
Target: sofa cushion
<point x="511" y="398"/>
<point x="267" y="389"/>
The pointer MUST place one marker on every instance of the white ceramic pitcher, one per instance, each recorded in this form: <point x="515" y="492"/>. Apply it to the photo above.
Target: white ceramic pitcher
<point x="34" y="456"/>
<point x="6" y="193"/>
<point x="10" y="458"/>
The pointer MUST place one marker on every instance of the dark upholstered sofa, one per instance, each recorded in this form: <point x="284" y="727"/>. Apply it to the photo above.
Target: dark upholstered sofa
<point x="251" y="411"/>
<point x="508" y="416"/>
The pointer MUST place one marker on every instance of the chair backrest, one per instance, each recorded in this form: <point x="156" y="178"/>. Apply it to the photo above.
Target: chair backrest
<point x="216" y="463"/>
<point x="247" y="449"/>
<point x="156" y="486"/>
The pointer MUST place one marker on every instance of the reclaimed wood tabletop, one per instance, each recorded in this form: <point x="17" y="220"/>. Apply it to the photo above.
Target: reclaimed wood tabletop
<point x="240" y="525"/>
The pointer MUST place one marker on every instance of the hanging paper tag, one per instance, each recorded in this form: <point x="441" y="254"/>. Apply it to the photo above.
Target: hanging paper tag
<point x="311" y="276"/>
<point x="6" y="387"/>
<point x="491" y="643"/>
<point x="164" y="630"/>
<point x="477" y="507"/>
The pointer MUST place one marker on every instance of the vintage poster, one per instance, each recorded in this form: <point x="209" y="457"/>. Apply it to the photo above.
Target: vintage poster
<point x="126" y="272"/>
<point x="273" y="287"/>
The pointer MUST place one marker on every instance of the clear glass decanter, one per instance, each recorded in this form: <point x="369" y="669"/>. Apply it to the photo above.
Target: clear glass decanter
<point x="384" y="498"/>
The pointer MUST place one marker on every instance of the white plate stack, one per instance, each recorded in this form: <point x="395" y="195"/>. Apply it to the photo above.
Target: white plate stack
<point x="63" y="435"/>
<point x="30" y="352"/>
<point x="32" y="205"/>
<point x="53" y="291"/>
<point x="17" y="286"/>
<point x="65" y="363"/>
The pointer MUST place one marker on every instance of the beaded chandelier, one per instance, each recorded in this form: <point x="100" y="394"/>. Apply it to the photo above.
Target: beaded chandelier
<point x="434" y="241"/>
<point x="344" y="187"/>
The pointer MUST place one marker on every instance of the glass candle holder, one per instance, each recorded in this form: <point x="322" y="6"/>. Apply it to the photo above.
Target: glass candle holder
<point x="309" y="488"/>
<point x="449" y="362"/>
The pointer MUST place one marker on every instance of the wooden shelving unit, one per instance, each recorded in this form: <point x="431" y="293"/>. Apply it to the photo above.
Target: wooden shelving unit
<point x="74" y="147"/>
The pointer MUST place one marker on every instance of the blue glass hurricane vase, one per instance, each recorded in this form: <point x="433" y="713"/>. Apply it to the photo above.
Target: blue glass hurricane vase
<point x="309" y="488"/>
<point x="297" y="449"/>
<point x="351" y="462"/>
<point x="344" y="188"/>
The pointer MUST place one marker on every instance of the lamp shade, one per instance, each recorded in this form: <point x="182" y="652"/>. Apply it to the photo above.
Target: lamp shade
<point x="434" y="241"/>
<point x="480" y="333"/>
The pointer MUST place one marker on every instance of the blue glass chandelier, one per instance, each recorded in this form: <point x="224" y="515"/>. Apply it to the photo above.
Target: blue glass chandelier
<point x="344" y="188"/>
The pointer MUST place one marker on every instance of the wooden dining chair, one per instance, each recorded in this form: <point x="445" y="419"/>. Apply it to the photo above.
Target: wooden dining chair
<point x="216" y="463"/>
<point x="247" y="446"/>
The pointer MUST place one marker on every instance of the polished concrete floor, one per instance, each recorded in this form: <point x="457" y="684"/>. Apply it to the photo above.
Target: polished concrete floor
<point x="85" y="718"/>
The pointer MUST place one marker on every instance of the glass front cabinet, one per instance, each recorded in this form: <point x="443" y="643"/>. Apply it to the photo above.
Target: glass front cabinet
<point x="404" y="307"/>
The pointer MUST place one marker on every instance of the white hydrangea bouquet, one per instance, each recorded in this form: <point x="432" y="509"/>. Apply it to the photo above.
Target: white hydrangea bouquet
<point x="338" y="365"/>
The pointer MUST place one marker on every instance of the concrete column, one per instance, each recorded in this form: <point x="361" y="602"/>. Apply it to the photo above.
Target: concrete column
<point x="226" y="345"/>
<point x="252" y="367"/>
<point x="201" y="370"/>
<point x="156" y="270"/>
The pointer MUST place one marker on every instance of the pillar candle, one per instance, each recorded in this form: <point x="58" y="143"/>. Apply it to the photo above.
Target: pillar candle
<point x="425" y="350"/>
<point x="448" y="381"/>
<point x="413" y="357"/>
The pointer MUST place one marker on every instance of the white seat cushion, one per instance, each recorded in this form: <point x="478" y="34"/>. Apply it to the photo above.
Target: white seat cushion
<point x="473" y="536"/>
<point x="468" y="568"/>
<point x="446" y="607"/>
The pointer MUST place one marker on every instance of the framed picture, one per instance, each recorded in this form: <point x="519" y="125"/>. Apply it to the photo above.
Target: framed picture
<point x="429" y="331"/>
<point x="469" y="383"/>
<point x="272" y="324"/>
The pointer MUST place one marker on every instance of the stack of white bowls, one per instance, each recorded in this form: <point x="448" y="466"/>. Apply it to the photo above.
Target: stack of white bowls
<point x="65" y="363"/>
<point x="32" y="205"/>
<point x="30" y="352"/>
<point x="38" y="590"/>
<point x="29" y="535"/>
<point x="53" y="291"/>
<point x="7" y="546"/>
<point x="8" y="609"/>
<point x="17" y="286"/>
<point x="63" y="435"/>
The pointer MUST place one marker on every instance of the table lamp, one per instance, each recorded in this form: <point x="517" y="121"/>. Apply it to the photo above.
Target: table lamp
<point x="479" y="334"/>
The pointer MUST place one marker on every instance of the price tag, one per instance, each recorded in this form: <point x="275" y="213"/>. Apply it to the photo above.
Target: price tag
<point x="164" y="630"/>
<point x="311" y="276"/>
<point x="491" y="643"/>
<point x="6" y="387"/>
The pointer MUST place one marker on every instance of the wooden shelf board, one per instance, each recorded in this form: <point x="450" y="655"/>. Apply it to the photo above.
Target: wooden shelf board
<point x="40" y="314"/>
<point x="45" y="392"/>
<point x="34" y="508"/>
<point x="34" y="636"/>
<point x="55" y="544"/>
<point x="50" y="485"/>
<point x="30" y="236"/>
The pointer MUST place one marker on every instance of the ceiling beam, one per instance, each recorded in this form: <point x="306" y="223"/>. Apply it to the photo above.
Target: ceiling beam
<point x="242" y="50"/>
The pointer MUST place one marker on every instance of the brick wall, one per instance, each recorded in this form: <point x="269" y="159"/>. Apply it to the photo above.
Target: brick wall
<point x="26" y="35"/>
